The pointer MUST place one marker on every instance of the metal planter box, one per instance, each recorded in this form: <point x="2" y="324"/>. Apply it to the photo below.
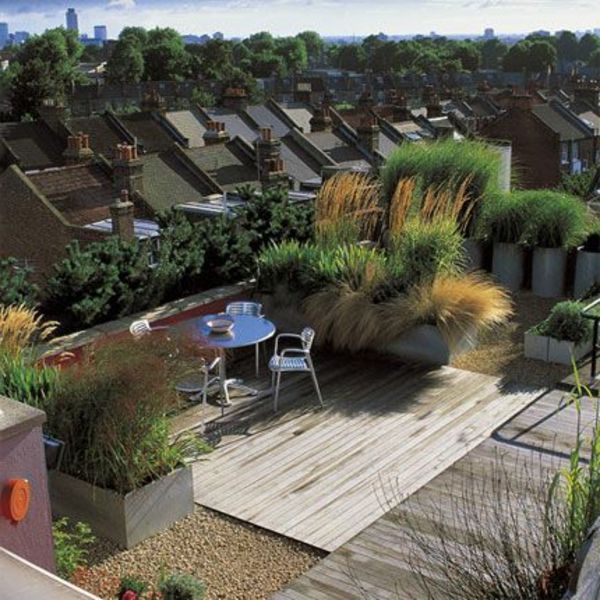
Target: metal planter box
<point x="587" y="272"/>
<point x="507" y="265"/>
<point x="126" y="520"/>
<point x="560" y="351"/>
<point x="473" y="254"/>
<point x="536" y="346"/>
<point x="548" y="272"/>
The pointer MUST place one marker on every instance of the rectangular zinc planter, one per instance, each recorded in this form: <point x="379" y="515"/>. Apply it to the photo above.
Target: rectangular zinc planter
<point x="560" y="352"/>
<point x="536" y="346"/>
<point x="127" y="519"/>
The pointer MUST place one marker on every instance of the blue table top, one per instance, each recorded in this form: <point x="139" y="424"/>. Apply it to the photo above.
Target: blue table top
<point x="247" y="331"/>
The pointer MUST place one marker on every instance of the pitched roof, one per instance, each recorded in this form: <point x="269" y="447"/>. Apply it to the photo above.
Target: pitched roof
<point x="189" y="125"/>
<point x="297" y="162"/>
<point x="225" y="163"/>
<point x="337" y="148"/>
<point x="35" y="144"/>
<point x="557" y="122"/>
<point x="103" y="136"/>
<point x="235" y="124"/>
<point x="299" y="113"/>
<point x="266" y="118"/>
<point x="167" y="181"/>
<point x="149" y="132"/>
<point x="82" y="193"/>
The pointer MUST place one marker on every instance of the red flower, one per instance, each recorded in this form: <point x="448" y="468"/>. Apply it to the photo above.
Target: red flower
<point x="129" y="595"/>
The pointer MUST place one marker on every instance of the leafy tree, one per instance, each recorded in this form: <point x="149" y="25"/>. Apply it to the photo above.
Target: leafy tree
<point x="265" y="64"/>
<point x="351" y="57"/>
<point x="588" y="44"/>
<point x="203" y="98"/>
<point x="45" y="66"/>
<point x="165" y="57"/>
<point x="567" y="46"/>
<point x="126" y="64"/>
<point x="259" y="42"/>
<point x="492" y="53"/>
<point x="314" y="46"/>
<point x="138" y="33"/>
<point x="468" y="54"/>
<point x="15" y="284"/>
<point x="292" y="51"/>
<point x="516" y="59"/>
<point x="541" y="56"/>
<point x="212" y="59"/>
<point x="594" y="61"/>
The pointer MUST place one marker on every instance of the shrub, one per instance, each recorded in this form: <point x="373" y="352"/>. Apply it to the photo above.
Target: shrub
<point x="15" y="284"/>
<point x="565" y="322"/>
<point x="70" y="545"/>
<point x="555" y="220"/>
<point x="444" y="164"/>
<point x="579" y="184"/>
<point x="425" y="249"/>
<point x="111" y="411"/>
<point x="504" y="218"/>
<point x="282" y="264"/>
<point x="22" y="327"/>
<point x="181" y="586"/>
<point x="131" y="588"/>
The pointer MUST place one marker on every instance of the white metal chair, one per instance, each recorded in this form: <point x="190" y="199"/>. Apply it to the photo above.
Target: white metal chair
<point x="253" y="309"/>
<point x="293" y="360"/>
<point x="142" y="327"/>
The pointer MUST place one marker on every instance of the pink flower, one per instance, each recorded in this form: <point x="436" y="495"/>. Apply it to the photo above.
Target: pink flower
<point x="129" y="595"/>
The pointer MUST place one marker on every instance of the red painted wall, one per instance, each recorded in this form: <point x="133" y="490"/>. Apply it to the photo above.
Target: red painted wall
<point x="22" y="457"/>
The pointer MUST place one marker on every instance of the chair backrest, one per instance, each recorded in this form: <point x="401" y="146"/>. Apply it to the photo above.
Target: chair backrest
<point x="253" y="309"/>
<point x="308" y="337"/>
<point x="140" y="328"/>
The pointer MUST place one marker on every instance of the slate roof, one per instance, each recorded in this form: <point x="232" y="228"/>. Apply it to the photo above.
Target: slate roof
<point x="226" y="164"/>
<point x="82" y="193"/>
<point x="235" y="124"/>
<point x="35" y="144"/>
<point x="297" y="162"/>
<point x="299" y="113"/>
<point x="168" y="182"/>
<point x="149" y="133"/>
<point x="386" y="144"/>
<point x="337" y="148"/>
<point x="558" y="123"/>
<point x="103" y="136"/>
<point x="189" y="125"/>
<point x="266" y="118"/>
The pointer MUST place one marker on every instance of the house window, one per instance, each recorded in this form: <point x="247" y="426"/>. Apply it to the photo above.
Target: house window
<point x="564" y="153"/>
<point x="153" y="245"/>
<point x="575" y="151"/>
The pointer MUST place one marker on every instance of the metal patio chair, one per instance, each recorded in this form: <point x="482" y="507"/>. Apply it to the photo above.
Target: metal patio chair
<point x="293" y="360"/>
<point x="253" y="309"/>
<point x="142" y="327"/>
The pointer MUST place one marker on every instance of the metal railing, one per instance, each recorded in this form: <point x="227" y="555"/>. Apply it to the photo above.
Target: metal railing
<point x="592" y="311"/>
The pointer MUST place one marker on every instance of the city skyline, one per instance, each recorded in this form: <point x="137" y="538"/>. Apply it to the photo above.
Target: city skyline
<point x="286" y="17"/>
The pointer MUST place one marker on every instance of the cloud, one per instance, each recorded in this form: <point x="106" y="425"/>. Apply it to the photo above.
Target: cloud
<point x="120" y="4"/>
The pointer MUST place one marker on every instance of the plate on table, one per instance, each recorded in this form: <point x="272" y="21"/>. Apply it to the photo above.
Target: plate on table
<point x="220" y="324"/>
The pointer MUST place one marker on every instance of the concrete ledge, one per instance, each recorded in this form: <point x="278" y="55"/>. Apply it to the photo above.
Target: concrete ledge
<point x="16" y="417"/>
<point x="93" y="334"/>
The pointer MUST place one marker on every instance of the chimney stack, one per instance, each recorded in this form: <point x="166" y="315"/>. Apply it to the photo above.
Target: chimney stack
<point x="321" y="120"/>
<point x="400" y="110"/>
<point x="588" y="91"/>
<point x="521" y="102"/>
<point x="368" y="133"/>
<point x="235" y="98"/>
<point x="215" y="133"/>
<point x="271" y="171"/>
<point x="53" y="113"/>
<point x="128" y="169"/>
<point x="432" y="102"/>
<point x="122" y="215"/>
<point x="78" y="149"/>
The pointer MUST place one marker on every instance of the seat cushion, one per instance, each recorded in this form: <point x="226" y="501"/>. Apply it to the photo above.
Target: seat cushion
<point x="288" y="363"/>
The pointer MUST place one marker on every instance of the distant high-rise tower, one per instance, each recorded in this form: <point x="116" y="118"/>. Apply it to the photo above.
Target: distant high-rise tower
<point x="3" y="34"/>
<point x="100" y="32"/>
<point x="72" y="20"/>
<point x="489" y="34"/>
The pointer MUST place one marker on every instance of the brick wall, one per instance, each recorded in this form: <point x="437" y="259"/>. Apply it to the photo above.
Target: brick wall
<point x="30" y="229"/>
<point x="535" y="148"/>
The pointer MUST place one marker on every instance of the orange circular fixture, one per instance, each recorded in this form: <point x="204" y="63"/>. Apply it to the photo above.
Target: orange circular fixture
<point x="15" y="499"/>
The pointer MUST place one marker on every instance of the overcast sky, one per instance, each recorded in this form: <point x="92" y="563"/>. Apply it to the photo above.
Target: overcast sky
<point x="329" y="17"/>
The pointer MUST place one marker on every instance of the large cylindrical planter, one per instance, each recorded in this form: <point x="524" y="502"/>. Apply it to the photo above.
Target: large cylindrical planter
<point x="587" y="272"/>
<point x="473" y="250"/>
<point x="548" y="272"/>
<point x="507" y="265"/>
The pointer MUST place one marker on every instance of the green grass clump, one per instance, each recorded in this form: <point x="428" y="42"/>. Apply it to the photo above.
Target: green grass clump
<point x="504" y="218"/>
<point x="566" y="323"/>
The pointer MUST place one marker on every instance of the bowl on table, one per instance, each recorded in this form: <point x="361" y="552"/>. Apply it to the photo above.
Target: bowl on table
<point x="220" y="324"/>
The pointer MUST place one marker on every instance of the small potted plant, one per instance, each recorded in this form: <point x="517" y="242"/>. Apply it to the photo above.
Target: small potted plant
<point x="503" y="221"/>
<point x="587" y="271"/>
<point x="557" y="223"/>
<point x="569" y="331"/>
<point x="537" y="343"/>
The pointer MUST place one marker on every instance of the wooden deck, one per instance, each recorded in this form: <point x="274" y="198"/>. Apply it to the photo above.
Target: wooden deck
<point x="379" y="562"/>
<point x="323" y="476"/>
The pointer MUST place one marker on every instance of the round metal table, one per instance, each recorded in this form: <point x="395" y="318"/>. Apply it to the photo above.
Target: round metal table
<point x="247" y="331"/>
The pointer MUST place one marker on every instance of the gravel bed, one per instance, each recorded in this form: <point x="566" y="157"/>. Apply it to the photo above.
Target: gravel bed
<point x="235" y="560"/>
<point x="500" y="352"/>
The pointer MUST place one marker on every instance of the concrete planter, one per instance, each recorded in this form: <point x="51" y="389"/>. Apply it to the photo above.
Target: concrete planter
<point x="425" y="344"/>
<point x="507" y="265"/>
<point x="560" y="351"/>
<point x="587" y="272"/>
<point x="536" y="346"/>
<point x="126" y="520"/>
<point x="549" y="271"/>
<point x="473" y="253"/>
